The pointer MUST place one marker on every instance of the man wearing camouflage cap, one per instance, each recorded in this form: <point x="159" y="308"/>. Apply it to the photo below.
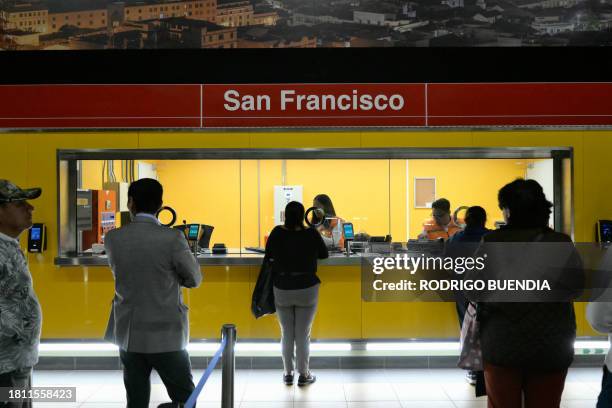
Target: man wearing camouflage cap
<point x="20" y="313"/>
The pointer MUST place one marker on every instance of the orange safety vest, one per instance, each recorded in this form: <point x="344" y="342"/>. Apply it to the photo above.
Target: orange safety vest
<point x="434" y="231"/>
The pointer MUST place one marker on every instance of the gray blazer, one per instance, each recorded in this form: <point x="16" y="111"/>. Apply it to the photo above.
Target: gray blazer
<point x="150" y="263"/>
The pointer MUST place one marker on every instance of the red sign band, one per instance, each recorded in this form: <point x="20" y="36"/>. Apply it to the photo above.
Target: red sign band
<point x="305" y="105"/>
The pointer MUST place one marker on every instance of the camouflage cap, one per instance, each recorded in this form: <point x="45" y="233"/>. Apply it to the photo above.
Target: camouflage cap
<point x="9" y="192"/>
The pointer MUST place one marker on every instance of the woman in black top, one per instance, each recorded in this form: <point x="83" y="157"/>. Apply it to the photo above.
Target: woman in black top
<point x="294" y="250"/>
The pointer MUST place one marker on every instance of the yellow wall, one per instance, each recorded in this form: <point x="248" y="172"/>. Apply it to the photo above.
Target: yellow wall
<point x="206" y="192"/>
<point x="76" y="300"/>
<point x="91" y="171"/>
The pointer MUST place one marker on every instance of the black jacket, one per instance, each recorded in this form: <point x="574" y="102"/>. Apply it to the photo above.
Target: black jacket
<point x="295" y="255"/>
<point x="531" y="335"/>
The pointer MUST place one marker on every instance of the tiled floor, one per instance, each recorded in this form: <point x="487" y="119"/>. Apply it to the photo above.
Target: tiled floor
<point x="441" y="388"/>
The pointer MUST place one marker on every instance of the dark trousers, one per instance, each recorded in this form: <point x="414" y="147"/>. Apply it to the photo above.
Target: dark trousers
<point x="174" y="368"/>
<point x="507" y="386"/>
<point x="605" y="396"/>
<point x="19" y="379"/>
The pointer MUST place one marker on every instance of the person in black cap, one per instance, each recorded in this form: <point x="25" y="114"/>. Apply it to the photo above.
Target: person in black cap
<point x="20" y="312"/>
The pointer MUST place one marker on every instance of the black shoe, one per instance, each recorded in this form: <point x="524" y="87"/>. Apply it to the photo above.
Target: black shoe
<point x="288" y="379"/>
<point x="305" y="380"/>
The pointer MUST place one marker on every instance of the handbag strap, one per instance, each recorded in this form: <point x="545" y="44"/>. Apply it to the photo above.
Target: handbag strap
<point x="477" y="307"/>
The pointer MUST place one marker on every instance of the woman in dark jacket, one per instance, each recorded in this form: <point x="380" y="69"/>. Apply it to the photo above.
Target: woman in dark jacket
<point x="295" y="250"/>
<point x="527" y="347"/>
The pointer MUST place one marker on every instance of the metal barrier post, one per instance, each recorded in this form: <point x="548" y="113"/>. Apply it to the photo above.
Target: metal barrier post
<point x="228" y="363"/>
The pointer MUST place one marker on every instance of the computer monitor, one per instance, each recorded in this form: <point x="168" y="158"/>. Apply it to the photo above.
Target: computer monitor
<point x="206" y="234"/>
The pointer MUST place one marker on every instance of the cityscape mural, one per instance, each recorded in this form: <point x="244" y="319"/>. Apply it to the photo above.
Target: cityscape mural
<point x="164" y="24"/>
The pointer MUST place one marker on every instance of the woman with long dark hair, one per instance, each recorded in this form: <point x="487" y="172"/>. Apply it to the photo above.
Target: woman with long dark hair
<point x="527" y="346"/>
<point x="331" y="227"/>
<point x="294" y="250"/>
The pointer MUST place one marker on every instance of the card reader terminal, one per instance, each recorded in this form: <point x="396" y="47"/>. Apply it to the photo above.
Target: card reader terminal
<point x="348" y="231"/>
<point x="37" y="238"/>
<point x="604" y="231"/>
<point x="349" y="236"/>
<point x="193" y="232"/>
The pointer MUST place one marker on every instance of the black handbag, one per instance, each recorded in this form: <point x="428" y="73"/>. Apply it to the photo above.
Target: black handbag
<point x="262" y="302"/>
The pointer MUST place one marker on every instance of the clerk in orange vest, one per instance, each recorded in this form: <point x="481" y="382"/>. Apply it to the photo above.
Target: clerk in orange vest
<point x="441" y="224"/>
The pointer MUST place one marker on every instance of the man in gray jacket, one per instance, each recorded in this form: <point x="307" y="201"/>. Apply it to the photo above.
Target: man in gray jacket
<point x="149" y="321"/>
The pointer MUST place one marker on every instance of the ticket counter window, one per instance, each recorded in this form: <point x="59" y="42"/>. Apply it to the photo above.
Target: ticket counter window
<point x="240" y="195"/>
<point x="243" y="199"/>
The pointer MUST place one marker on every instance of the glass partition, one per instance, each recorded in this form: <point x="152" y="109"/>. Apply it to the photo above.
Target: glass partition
<point x="243" y="198"/>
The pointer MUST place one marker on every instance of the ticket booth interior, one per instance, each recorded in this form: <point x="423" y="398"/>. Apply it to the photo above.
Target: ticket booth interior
<point x="242" y="194"/>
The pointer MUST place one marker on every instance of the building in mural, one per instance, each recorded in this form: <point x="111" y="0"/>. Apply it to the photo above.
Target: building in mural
<point x="107" y="24"/>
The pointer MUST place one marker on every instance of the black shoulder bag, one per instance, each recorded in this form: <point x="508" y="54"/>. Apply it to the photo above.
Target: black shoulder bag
<point x="262" y="302"/>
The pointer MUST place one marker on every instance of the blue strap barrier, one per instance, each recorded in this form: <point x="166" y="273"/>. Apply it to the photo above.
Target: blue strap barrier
<point x="211" y="366"/>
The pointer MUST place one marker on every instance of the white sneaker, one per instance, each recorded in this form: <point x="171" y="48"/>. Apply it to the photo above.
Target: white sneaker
<point x="470" y="377"/>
